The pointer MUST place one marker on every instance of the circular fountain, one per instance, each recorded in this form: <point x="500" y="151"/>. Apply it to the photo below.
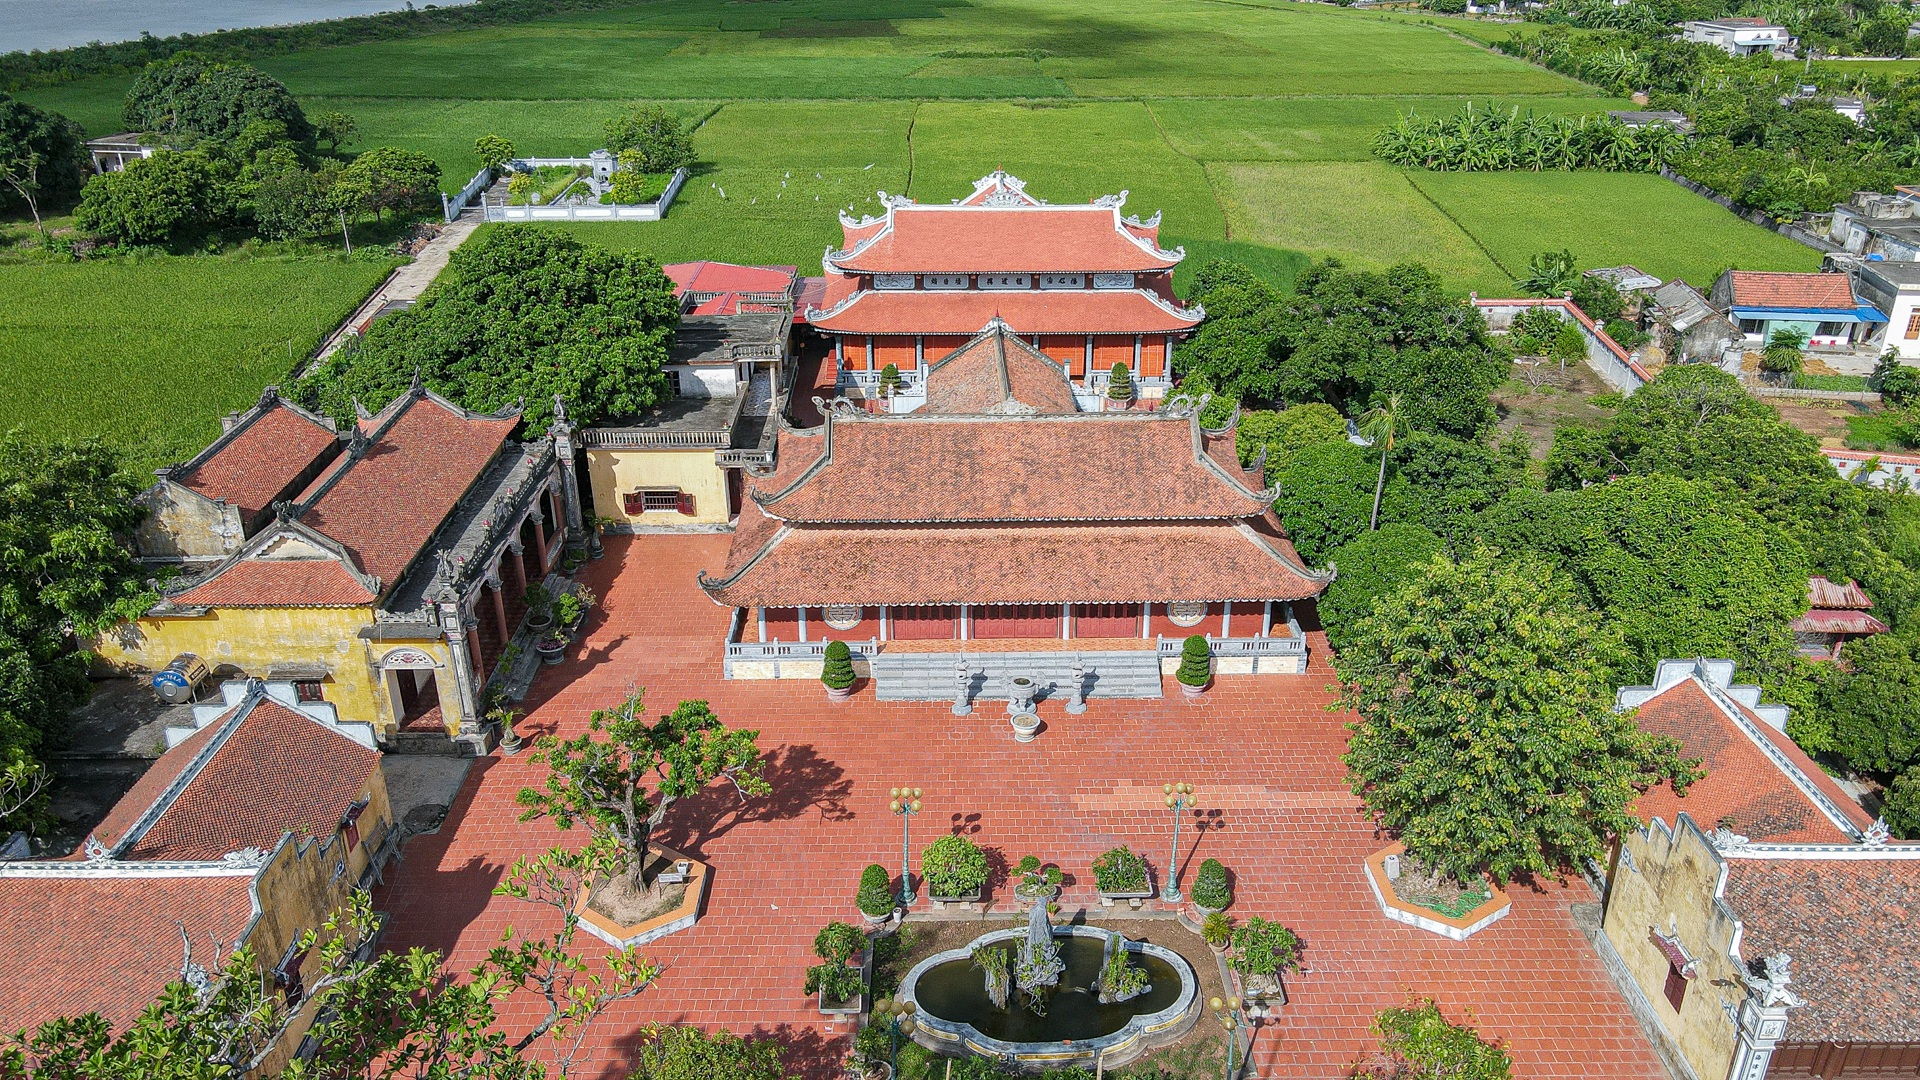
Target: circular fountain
<point x="1048" y="1010"/>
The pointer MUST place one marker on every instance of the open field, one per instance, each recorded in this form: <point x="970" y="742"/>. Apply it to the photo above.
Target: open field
<point x="147" y="354"/>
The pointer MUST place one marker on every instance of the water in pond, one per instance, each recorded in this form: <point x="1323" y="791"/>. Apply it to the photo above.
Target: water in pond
<point x="957" y="991"/>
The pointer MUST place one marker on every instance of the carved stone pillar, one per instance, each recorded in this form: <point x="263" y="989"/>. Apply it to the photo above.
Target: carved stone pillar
<point x="1762" y="1019"/>
<point x="562" y="434"/>
<point x="460" y="666"/>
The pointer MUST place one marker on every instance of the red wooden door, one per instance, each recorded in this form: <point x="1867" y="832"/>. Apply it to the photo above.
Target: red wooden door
<point x="1106" y="620"/>
<point x="922" y="623"/>
<point x="1017" y="621"/>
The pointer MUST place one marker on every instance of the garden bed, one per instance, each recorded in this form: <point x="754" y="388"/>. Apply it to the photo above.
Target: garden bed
<point x="1421" y="899"/>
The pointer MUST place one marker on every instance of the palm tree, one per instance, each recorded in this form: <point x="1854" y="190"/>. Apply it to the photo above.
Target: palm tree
<point x="1550" y="273"/>
<point x="1381" y="424"/>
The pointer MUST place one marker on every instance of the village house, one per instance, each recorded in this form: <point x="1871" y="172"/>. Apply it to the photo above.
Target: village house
<point x="1893" y="288"/>
<point x="265" y="813"/>
<point x="383" y="569"/>
<point x="1082" y="283"/>
<point x="1821" y="307"/>
<point x="111" y="153"/>
<point x="1763" y="916"/>
<point x="1685" y="326"/>
<point x="1737" y="36"/>
<point x="1875" y="224"/>
<point x="882" y="530"/>
<point x="1635" y="119"/>
<point x="677" y="465"/>
<point x="1836" y="614"/>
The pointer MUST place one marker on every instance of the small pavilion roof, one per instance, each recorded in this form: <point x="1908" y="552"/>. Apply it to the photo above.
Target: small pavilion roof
<point x="997" y="373"/>
<point x="1824" y="593"/>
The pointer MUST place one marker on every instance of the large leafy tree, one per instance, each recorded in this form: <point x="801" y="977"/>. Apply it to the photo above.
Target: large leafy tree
<point x="170" y="197"/>
<point x="387" y="178"/>
<point x="1370" y="566"/>
<point x="1326" y="491"/>
<point x="1441" y="483"/>
<point x="651" y="138"/>
<point x="1871" y="707"/>
<point x="523" y="314"/>
<point x="1280" y="435"/>
<point x="43" y="159"/>
<point x="1486" y="736"/>
<point x="621" y="775"/>
<point x="190" y="96"/>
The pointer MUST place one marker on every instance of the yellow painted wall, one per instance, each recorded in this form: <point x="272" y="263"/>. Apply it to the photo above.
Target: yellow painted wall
<point x="615" y="472"/>
<point x="256" y="639"/>
<point x="1670" y="887"/>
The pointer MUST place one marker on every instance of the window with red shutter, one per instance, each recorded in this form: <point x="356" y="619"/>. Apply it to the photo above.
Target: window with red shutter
<point x="1676" y="987"/>
<point x="685" y="503"/>
<point x="634" y="501"/>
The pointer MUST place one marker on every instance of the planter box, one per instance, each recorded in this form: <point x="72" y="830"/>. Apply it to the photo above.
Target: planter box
<point x="1433" y="922"/>
<point x="623" y="936"/>
<point x="853" y="1006"/>
<point x="1133" y="899"/>
<point x="970" y="901"/>
<point x="1263" y="989"/>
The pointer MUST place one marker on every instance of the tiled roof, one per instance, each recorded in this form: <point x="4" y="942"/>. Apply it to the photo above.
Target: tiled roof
<point x="1002" y="239"/>
<point x="279" y="583"/>
<point x="1823" y="593"/>
<point x="261" y="460"/>
<point x="1027" y="311"/>
<point x="275" y="771"/>
<point x="1013" y="564"/>
<point x="1753" y="288"/>
<point x="1853" y="930"/>
<point x="1837" y="621"/>
<point x="719" y="277"/>
<point x="386" y="503"/>
<point x="109" y="945"/>
<point x="913" y="468"/>
<point x="1743" y="782"/>
<point x="997" y="372"/>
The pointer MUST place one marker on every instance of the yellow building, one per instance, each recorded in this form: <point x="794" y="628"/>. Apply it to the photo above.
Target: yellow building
<point x="383" y="570"/>
<point x="260" y="820"/>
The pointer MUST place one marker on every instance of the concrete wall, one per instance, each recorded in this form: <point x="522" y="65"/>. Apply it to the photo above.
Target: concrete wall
<point x="181" y="524"/>
<point x="1668" y="881"/>
<point x="705" y="380"/>
<point x="614" y="473"/>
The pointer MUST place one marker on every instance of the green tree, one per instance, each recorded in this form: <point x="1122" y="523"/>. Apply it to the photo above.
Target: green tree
<point x="387" y="178"/>
<point x="1372" y="565"/>
<point x="1120" y="384"/>
<point x="1486" y="737"/>
<point x="492" y="151"/>
<point x="1381" y="426"/>
<point x="336" y="128"/>
<point x="1418" y="1042"/>
<point x="1873" y="705"/>
<point x="1550" y="273"/>
<point x="1782" y="354"/>
<point x="168" y="198"/>
<point x="621" y="785"/>
<point x="194" y="97"/>
<point x="43" y="161"/>
<point x="1442" y="483"/>
<point x="1323" y="497"/>
<point x="662" y="142"/>
<point x="524" y="314"/>
<point x="1902" y="805"/>
<point x="1280" y="435"/>
<point x="289" y="202"/>
<point x="684" y="1052"/>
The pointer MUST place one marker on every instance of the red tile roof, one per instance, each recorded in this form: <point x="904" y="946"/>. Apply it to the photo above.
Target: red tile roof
<point x="1822" y="593"/>
<point x="1744" y="784"/>
<point x="998" y="373"/>
<point x="389" y="500"/>
<point x="1853" y="930"/>
<point x="1753" y="288"/>
<point x="78" y="945"/>
<point x="261" y="460"/>
<point x="275" y="772"/>
<point x="1001" y="239"/>
<point x="720" y="277"/>
<point x="914" y="468"/>
<point x="1837" y="621"/>
<point x="1013" y="564"/>
<point x="279" y="583"/>
<point x="1027" y="311"/>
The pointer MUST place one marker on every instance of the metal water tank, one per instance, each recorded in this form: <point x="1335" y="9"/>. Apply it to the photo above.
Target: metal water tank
<point x="180" y="680"/>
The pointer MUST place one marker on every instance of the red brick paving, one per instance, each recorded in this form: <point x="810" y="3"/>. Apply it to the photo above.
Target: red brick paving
<point x="1262" y="751"/>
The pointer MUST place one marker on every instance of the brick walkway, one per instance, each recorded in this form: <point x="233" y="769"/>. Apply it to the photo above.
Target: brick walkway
<point x="1262" y="752"/>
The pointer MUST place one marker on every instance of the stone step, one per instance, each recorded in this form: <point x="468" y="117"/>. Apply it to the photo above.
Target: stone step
<point x="922" y="676"/>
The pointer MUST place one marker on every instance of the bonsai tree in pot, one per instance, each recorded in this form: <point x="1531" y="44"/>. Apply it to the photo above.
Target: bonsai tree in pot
<point x="552" y="646"/>
<point x="875" y="898"/>
<point x="837" y="983"/>
<point x="1217" y="931"/>
<point x="1210" y="890"/>
<point x="620" y="776"/>
<point x="889" y="380"/>
<point x="836" y="674"/>
<point x="1036" y="881"/>
<point x="1120" y="873"/>
<point x="955" y="869"/>
<point x="1261" y="951"/>
<point x="1195" y="673"/>
<point x="1120" y="384"/>
<point x="539" y="601"/>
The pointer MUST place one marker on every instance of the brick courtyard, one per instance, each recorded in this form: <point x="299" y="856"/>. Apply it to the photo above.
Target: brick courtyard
<point x="1262" y="751"/>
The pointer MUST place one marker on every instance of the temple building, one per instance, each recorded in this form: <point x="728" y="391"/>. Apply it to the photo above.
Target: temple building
<point x="978" y="526"/>
<point x="382" y="569"/>
<point x="1082" y="283"/>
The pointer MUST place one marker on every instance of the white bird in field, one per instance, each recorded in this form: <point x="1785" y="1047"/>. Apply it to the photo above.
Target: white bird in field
<point x="869" y="166"/>
<point x="787" y="175"/>
<point x="755" y="201"/>
<point x="816" y="176"/>
<point x="723" y="193"/>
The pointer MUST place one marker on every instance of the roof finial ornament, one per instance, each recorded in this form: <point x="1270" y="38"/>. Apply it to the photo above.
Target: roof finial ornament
<point x="418" y="385"/>
<point x="1725" y="839"/>
<point x="1770" y="983"/>
<point x="283" y="509"/>
<point x="559" y="408"/>
<point x="360" y="410"/>
<point x="95" y="850"/>
<point x="1877" y="834"/>
<point x="270" y="395"/>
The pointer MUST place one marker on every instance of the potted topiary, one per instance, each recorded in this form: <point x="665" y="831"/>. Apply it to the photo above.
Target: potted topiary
<point x="1036" y="882"/>
<point x="1210" y="890"/>
<point x="836" y="674"/>
<point x="1261" y="951"/>
<point x="837" y="978"/>
<point x="875" y="898"/>
<point x="552" y="646"/>
<point x="539" y="603"/>
<point x="955" y="870"/>
<point x="1217" y="931"/>
<point x="1121" y="874"/>
<point x="1195" y="673"/>
<point x="1120" y="386"/>
<point x="889" y="380"/>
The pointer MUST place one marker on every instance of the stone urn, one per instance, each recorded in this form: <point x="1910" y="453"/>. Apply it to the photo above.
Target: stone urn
<point x="1195" y="693"/>
<point x="842" y="693"/>
<point x="1020" y="711"/>
<point x="1026" y="726"/>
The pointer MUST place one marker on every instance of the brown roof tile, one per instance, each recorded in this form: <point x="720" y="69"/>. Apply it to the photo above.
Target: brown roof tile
<point x="914" y="468"/>
<point x="1753" y="288"/>
<point x="263" y="460"/>
<point x="1004" y="239"/>
<point x="997" y="372"/>
<point x="1853" y="930"/>
<point x="1823" y="593"/>
<point x="1031" y="311"/>
<point x="279" y="583"/>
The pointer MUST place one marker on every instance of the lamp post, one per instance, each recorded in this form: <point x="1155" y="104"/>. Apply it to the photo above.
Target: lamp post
<point x="906" y="803"/>
<point x="1179" y="798"/>
<point x="898" y="1016"/>
<point x="1228" y="1013"/>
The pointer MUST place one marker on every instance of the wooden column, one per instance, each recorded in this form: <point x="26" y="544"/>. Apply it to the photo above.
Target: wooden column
<point x="473" y="648"/>
<point x="512" y="559"/>
<point x="500" y="616"/>
<point x="540" y="542"/>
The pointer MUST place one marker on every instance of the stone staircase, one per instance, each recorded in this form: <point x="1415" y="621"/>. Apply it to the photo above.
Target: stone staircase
<point x="927" y="676"/>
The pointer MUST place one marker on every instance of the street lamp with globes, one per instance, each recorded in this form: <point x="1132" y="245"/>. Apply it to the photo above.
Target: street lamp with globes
<point x="1230" y="1017"/>
<point x="1179" y="798"/>
<point x="898" y="1016"/>
<point x="905" y="801"/>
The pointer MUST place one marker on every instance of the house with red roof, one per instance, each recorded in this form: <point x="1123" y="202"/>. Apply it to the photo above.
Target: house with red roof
<point x="261" y="818"/>
<point x="1821" y="308"/>
<point x="382" y="569"/>
<point x="1762" y="922"/>
<point x="1836" y="614"/>
<point x="1086" y="284"/>
<point x="944" y="564"/>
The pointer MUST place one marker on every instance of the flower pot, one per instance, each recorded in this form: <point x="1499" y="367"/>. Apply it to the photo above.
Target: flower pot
<point x="1133" y="899"/>
<point x="510" y="740"/>
<point x="538" y="621"/>
<point x="595" y="549"/>
<point x="1025" y="726"/>
<point x="850" y="1007"/>
<point x="940" y="902"/>
<point x="841" y="693"/>
<point x="551" y="652"/>
<point x="1218" y="950"/>
<point x="1192" y="693"/>
<point x="876" y="920"/>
